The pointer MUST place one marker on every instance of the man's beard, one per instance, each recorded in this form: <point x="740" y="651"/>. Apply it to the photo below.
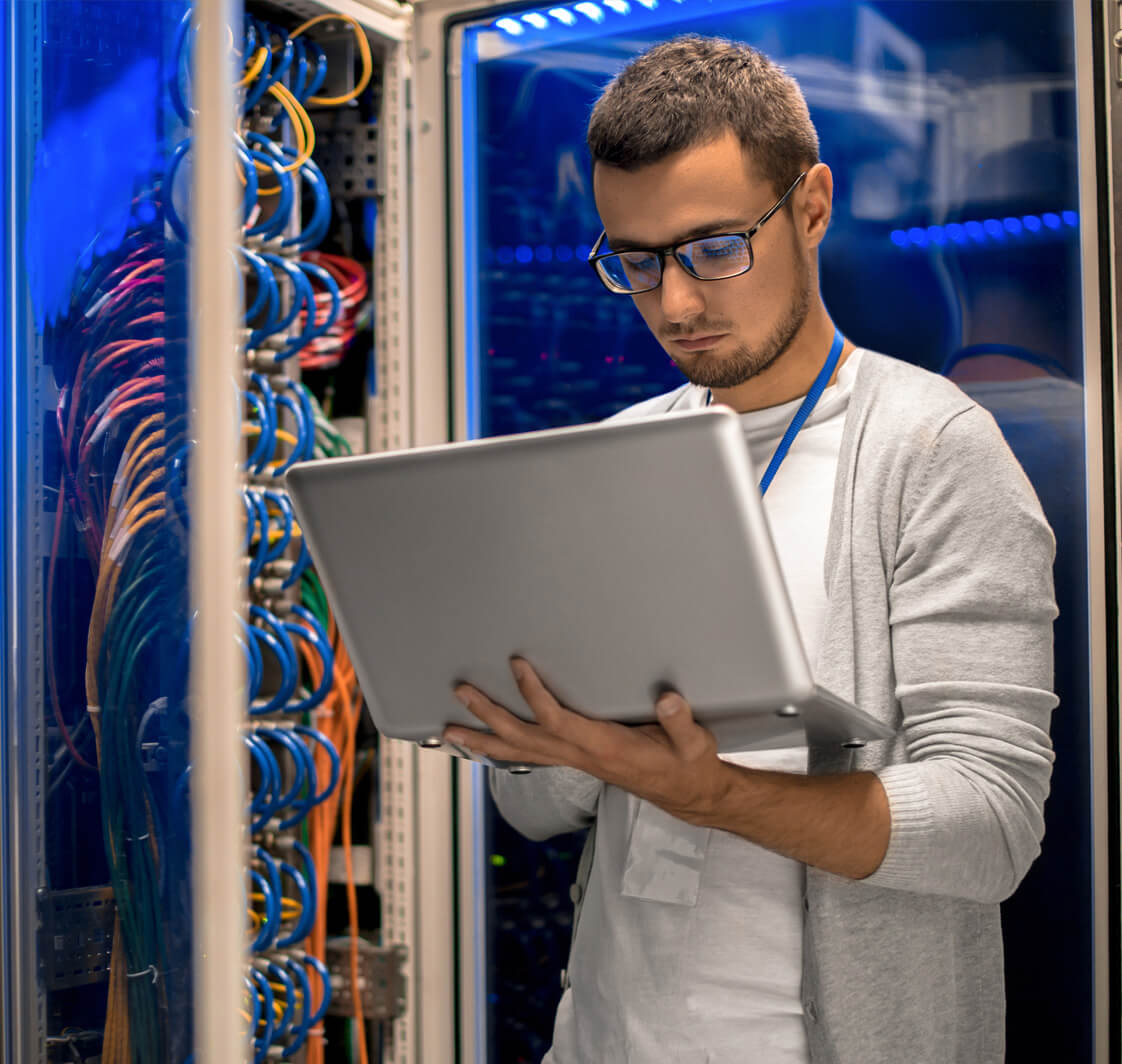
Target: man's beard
<point x="743" y="362"/>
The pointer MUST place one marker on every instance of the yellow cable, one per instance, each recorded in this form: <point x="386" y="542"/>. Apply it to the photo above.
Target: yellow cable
<point x="142" y="487"/>
<point x="274" y="535"/>
<point x="363" y="51"/>
<point x="249" y="428"/>
<point x="295" y="908"/>
<point x="155" y="515"/>
<point x="255" y="67"/>
<point x="303" y="129"/>
<point x="297" y="994"/>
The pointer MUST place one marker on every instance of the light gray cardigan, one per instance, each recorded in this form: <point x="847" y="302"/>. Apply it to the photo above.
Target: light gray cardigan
<point x="939" y="578"/>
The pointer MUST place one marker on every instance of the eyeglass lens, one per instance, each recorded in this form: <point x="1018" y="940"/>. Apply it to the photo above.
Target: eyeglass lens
<point x="710" y="258"/>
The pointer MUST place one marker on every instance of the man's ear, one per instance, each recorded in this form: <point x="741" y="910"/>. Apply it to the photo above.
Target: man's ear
<point x="813" y="204"/>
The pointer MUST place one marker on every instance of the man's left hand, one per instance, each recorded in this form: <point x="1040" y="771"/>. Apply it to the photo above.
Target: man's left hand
<point x="672" y="764"/>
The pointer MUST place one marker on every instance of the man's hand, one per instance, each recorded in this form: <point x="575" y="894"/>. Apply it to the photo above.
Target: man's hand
<point x="672" y="764"/>
<point x="840" y="823"/>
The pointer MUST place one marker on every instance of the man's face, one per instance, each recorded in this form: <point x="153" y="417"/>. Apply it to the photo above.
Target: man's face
<point x="719" y="333"/>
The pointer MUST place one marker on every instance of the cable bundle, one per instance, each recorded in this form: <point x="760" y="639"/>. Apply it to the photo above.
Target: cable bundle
<point x="327" y="351"/>
<point x="295" y="769"/>
<point x="302" y="308"/>
<point x="287" y="793"/>
<point x="121" y="435"/>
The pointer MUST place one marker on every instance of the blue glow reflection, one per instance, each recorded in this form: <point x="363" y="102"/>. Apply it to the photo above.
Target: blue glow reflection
<point x="89" y="165"/>
<point x="988" y="231"/>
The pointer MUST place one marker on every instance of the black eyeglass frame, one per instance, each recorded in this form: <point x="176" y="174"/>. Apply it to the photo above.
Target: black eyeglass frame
<point x="595" y="255"/>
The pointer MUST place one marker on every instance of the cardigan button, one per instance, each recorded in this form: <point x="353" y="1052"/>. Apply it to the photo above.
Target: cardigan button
<point x="811" y="1012"/>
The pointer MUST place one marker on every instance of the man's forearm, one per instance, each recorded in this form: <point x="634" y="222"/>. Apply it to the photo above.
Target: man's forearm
<point x="840" y="824"/>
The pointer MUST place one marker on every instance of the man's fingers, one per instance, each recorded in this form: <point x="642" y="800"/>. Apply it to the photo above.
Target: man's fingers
<point x="494" y="747"/>
<point x="500" y="720"/>
<point x="549" y="713"/>
<point x="531" y="742"/>
<point x="689" y="738"/>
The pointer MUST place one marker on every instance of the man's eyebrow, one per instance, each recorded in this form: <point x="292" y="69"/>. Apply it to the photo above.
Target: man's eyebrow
<point x="721" y="225"/>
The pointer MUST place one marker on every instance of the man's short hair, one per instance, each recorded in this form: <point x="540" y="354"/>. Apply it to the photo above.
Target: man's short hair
<point x="687" y="92"/>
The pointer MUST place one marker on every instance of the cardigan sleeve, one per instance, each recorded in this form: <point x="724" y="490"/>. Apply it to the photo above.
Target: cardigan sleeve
<point x="547" y="801"/>
<point x="971" y="606"/>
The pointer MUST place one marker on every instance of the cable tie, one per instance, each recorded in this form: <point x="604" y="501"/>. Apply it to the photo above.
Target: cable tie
<point x="144" y="971"/>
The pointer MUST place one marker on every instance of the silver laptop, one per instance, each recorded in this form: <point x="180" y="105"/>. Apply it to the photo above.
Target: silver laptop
<point x="619" y="559"/>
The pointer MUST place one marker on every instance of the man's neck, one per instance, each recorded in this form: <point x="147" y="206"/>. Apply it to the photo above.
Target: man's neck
<point x="793" y="372"/>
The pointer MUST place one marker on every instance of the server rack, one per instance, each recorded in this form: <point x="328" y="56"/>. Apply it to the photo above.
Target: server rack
<point x="434" y="815"/>
<point x="43" y="47"/>
<point x="886" y="83"/>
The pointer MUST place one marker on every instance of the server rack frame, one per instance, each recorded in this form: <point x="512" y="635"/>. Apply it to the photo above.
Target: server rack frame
<point x="22" y="734"/>
<point x="441" y="412"/>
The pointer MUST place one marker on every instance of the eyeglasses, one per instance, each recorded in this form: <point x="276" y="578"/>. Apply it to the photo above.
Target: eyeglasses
<point x="708" y="258"/>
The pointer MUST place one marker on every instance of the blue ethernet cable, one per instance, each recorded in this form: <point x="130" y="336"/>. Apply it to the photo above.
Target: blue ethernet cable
<point x="303" y="397"/>
<point x="304" y="432"/>
<point x="281" y="648"/>
<point x="307" y="907"/>
<point x="303" y="560"/>
<point x="287" y="54"/>
<point x="299" y="79"/>
<point x="311" y="961"/>
<point x="320" y="75"/>
<point x="255" y="1001"/>
<point x="263" y="275"/>
<point x="269" y="423"/>
<point x="265" y="993"/>
<point x="264" y="800"/>
<point x="266" y="438"/>
<point x="315" y="635"/>
<point x="310" y="876"/>
<point x="281" y="501"/>
<point x="271" y="922"/>
<point x="258" y="560"/>
<point x="300" y="975"/>
<point x="274" y="224"/>
<point x="249" y="171"/>
<point x="256" y="664"/>
<point x="273" y="872"/>
<point x="260" y="37"/>
<point x="332" y="288"/>
<point x="300" y="763"/>
<point x="333" y="756"/>
<point x="281" y="976"/>
<point x="313" y="179"/>
<point x="305" y="300"/>
<point x="250" y="521"/>
<point x="273" y="315"/>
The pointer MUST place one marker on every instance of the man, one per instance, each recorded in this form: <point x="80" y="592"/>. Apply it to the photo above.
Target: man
<point x="799" y="906"/>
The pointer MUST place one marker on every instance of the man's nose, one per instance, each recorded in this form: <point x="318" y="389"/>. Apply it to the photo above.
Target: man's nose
<point x="679" y="294"/>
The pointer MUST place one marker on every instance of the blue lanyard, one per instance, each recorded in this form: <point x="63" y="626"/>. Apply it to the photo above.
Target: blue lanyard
<point x="804" y="411"/>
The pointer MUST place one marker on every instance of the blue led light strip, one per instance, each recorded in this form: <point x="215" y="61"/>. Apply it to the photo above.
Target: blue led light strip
<point x="549" y="24"/>
<point x="988" y="231"/>
<point x="569" y="15"/>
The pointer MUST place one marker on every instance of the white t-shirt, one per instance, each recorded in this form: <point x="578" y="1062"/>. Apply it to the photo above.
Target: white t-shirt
<point x="702" y="930"/>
